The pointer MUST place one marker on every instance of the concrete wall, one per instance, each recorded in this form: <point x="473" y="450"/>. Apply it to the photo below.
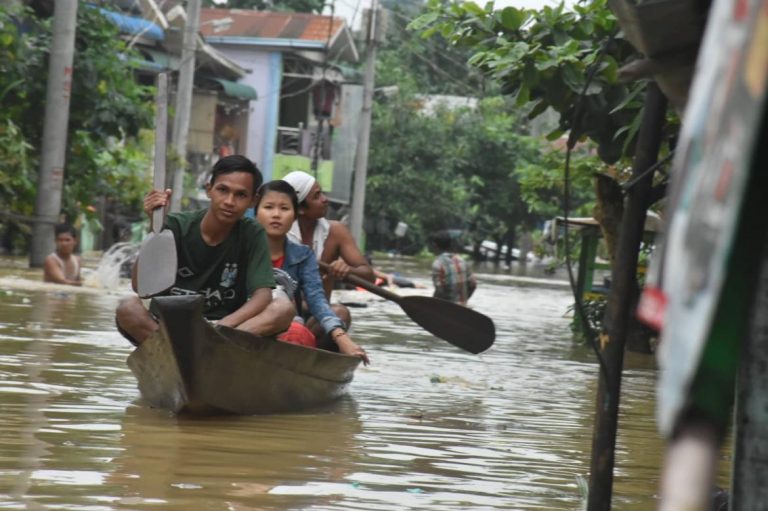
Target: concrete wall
<point x="202" y="121"/>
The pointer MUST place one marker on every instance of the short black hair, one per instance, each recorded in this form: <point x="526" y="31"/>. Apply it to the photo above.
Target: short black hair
<point x="64" y="229"/>
<point x="280" y="186"/>
<point x="443" y="241"/>
<point x="237" y="163"/>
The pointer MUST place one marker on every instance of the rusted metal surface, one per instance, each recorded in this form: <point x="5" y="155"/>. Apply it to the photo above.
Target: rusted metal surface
<point x="265" y="24"/>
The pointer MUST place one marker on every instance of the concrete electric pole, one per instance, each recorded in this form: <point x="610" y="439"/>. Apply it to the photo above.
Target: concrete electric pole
<point x="53" y="153"/>
<point x="375" y="36"/>
<point x="184" y="98"/>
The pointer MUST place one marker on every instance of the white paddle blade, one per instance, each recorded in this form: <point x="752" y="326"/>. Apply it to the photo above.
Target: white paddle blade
<point x="157" y="264"/>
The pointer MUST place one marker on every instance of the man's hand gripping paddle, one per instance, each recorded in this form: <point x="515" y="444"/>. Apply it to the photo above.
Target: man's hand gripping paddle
<point x="157" y="254"/>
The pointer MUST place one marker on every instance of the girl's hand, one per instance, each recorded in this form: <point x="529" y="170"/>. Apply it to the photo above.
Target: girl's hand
<point x="347" y="346"/>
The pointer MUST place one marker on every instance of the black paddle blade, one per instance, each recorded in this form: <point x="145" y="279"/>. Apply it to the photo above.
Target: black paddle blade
<point x="157" y="264"/>
<point x="459" y="325"/>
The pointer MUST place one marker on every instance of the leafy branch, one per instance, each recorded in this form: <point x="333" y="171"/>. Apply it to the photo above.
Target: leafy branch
<point x="544" y="59"/>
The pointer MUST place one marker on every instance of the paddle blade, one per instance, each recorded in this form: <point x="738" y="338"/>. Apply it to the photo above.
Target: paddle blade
<point x="459" y="325"/>
<point x="157" y="264"/>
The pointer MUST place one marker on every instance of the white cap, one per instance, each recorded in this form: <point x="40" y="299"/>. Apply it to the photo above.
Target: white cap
<point x="301" y="182"/>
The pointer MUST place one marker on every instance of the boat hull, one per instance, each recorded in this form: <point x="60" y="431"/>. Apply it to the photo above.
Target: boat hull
<point x="190" y="366"/>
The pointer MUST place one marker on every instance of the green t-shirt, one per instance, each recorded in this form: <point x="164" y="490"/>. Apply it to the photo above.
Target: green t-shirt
<point x="227" y="274"/>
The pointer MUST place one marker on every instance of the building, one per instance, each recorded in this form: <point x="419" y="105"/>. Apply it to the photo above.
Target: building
<point x="307" y="112"/>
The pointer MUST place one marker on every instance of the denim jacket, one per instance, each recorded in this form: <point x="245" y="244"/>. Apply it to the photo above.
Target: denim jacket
<point x="301" y="265"/>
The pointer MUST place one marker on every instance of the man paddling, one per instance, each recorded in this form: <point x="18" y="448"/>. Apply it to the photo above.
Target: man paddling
<point x="331" y="241"/>
<point x="221" y="255"/>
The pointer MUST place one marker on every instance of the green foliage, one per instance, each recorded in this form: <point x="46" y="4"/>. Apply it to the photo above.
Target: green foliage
<point x="489" y="145"/>
<point x="542" y="181"/>
<point x="546" y="58"/>
<point x="429" y="66"/>
<point x="411" y="178"/>
<point x="106" y="99"/>
<point x="447" y="169"/>
<point x="117" y="170"/>
<point x="21" y="59"/>
<point x="594" y="310"/>
<point x="17" y="170"/>
<point x="108" y="110"/>
<point x="315" y="6"/>
<point x="23" y="70"/>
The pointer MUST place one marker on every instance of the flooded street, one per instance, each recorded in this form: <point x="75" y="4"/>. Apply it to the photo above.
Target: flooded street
<point x="426" y="426"/>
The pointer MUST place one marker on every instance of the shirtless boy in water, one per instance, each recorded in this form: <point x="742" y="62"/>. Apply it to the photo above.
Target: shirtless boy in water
<point x="62" y="266"/>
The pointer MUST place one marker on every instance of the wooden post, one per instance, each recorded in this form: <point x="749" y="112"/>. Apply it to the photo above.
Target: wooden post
<point x="620" y="301"/>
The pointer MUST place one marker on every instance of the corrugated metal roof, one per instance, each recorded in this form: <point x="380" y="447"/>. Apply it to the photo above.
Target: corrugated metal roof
<point x="280" y="25"/>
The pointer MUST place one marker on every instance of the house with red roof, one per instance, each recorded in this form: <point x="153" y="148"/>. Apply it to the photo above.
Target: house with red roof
<point x="308" y="106"/>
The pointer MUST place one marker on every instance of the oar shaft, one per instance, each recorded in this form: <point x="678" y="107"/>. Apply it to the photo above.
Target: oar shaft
<point x="161" y="135"/>
<point x="357" y="281"/>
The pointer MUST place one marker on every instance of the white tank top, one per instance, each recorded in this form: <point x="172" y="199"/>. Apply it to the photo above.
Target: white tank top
<point x="322" y="229"/>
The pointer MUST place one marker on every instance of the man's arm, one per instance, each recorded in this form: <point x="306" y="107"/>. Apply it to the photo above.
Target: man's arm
<point x="276" y="317"/>
<point x="344" y="257"/>
<point x="250" y="309"/>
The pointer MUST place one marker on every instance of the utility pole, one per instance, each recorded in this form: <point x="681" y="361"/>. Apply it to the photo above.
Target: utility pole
<point x="54" y="144"/>
<point x="374" y="37"/>
<point x="184" y="98"/>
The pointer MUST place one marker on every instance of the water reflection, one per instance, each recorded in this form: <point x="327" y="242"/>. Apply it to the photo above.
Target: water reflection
<point x="235" y="461"/>
<point x="427" y="426"/>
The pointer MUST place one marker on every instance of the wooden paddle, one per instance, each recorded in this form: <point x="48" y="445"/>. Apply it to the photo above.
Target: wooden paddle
<point x="157" y="261"/>
<point x="459" y="325"/>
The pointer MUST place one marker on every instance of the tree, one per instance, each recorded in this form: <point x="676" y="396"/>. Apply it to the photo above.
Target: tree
<point x="410" y="176"/>
<point x="491" y="144"/>
<point x="431" y="66"/>
<point x="467" y="156"/>
<point x="551" y="58"/>
<point x="447" y="169"/>
<point x="109" y="109"/>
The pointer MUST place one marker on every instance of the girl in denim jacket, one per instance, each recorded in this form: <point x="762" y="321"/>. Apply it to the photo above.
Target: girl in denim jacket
<point x="276" y="208"/>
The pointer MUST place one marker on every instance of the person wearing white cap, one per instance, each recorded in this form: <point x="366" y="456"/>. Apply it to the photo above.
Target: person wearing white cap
<point x="331" y="241"/>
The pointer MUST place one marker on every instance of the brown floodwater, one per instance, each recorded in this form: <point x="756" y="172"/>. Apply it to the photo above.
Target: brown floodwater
<point x="426" y="426"/>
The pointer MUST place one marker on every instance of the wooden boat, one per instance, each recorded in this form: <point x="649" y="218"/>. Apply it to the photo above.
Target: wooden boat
<point x="190" y="366"/>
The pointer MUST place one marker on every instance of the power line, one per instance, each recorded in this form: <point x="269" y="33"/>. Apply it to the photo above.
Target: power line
<point x="433" y="47"/>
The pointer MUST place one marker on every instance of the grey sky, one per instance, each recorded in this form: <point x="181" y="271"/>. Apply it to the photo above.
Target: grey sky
<point x="352" y="9"/>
